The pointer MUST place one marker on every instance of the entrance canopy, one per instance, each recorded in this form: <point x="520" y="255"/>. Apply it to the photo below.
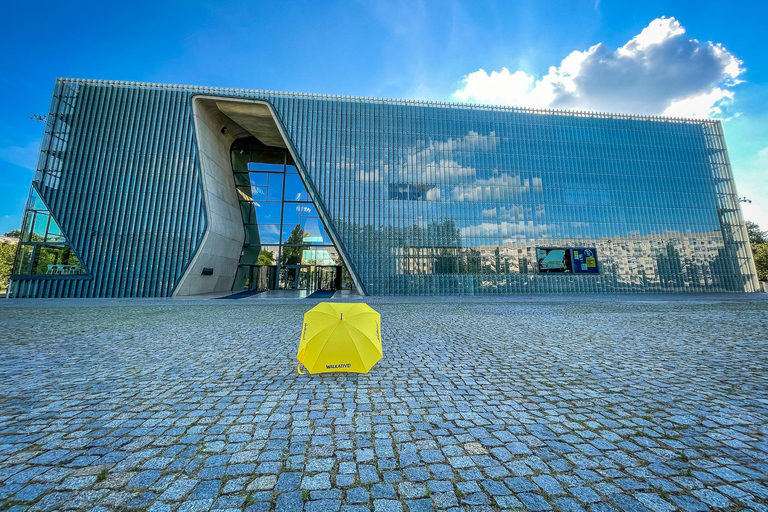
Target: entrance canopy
<point x="260" y="204"/>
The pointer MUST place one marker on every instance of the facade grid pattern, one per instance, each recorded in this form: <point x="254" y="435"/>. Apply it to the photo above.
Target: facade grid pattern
<point x="423" y="198"/>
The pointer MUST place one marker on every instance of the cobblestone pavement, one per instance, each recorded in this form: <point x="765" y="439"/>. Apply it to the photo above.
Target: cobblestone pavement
<point x="600" y="404"/>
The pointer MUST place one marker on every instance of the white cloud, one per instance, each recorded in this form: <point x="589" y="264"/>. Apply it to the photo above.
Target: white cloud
<point x="490" y="189"/>
<point x="708" y="104"/>
<point x="23" y="156"/>
<point x="515" y="212"/>
<point x="441" y="171"/>
<point x="438" y="161"/>
<point x="659" y="71"/>
<point x="433" y="194"/>
<point x="510" y="232"/>
<point x="374" y="175"/>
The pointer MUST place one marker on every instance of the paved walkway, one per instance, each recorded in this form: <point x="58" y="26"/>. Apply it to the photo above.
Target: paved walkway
<point x="600" y="404"/>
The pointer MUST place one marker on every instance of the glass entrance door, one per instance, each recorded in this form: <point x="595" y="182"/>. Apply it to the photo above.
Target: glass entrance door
<point x="328" y="278"/>
<point x="264" y="277"/>
<point x="255" y="277"/>
<point x="296" y="277"/>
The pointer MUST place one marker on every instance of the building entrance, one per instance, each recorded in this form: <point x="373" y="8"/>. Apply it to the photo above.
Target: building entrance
<point x="310" y="278"/>
<point x="292" y="277"/>
<point x="286" y="245"/>
<point x="328" y="278"/>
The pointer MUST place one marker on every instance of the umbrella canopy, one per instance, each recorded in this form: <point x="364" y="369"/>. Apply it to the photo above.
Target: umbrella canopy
<point x="338" y="337"/>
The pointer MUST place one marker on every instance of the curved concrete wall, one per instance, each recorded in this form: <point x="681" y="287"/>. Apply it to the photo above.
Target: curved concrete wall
<point x="224" y="235"/>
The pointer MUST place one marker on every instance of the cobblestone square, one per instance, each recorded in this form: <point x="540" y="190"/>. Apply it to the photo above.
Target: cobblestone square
<point x="538" y="403"/>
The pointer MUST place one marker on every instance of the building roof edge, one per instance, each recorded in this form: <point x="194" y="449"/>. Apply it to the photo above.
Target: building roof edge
<point x="394" y="101"/>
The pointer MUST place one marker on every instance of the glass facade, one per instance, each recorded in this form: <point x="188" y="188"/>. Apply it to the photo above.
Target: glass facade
<point x="286" y="244"/>
<point x="440" y="199"/>
<point x="417" y="198"/>
<point x="43" y="250"/>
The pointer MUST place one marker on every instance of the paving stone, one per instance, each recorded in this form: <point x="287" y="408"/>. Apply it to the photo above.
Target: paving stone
<point x="81" y="482"/>
<point x="689" y="504"/>
<point x="207" y="489"/>
<point x="262" y="483"/>
<point x="320" y="481"/>
<point x="331" y="494"/>
<point x="156" y="507"/>
<point x="354" y="508"/>
<point x="178" y="489"/>
<point x="712" y="498"/>
<point x="416" y="474"/>
<point x="31" y="492"/>
<point x="196" y="506"/>
<point x="383" y="491"/>
<point x="533" y="501"/>
<point x="548" y="484"/>
<point x="476" y="498"/>
<point x="444" y="500"/>
<point x="610" y="432"/>
<point x="290" y="502"/>
<point x="143" y="501"/>
<point x="357" y="495"/>
<point x="288" y="481"/>
<point x="387" y="506"/>
<point x="568" y="505"/>
<point x="229" y="502"/>
<point x="345" y="480"/>
<point x="322" y="506"/>
<point x="412" y="490"/>
<point x="367" y="474"/>
<point x="422" y="505"/>
<point x="755" y="488"/>
<point x="654" y="502"/>
<point x="495" y="488"/>
<point x="628" y="503"/>
<point x="259" y="507"/>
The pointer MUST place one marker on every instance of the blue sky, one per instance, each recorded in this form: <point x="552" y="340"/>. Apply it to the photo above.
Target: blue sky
<point x="707" y="61"/>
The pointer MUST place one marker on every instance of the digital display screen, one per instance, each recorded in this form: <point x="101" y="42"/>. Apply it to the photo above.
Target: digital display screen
<point x="566" y="260"/>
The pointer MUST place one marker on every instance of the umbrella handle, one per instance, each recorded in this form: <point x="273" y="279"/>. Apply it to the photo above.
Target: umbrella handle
<point x="298" y="369"/>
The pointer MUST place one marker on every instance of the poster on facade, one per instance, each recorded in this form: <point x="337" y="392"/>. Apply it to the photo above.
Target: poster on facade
<point x="584" y="260"/>
<point x="554" y="260"/>
<point x="566" y="260"/>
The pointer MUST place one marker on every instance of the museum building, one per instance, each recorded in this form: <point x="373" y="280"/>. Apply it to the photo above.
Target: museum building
<point x="153" y="190"/>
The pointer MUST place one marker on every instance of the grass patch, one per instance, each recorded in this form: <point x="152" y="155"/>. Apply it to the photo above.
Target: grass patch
<point x="102" y="475"/>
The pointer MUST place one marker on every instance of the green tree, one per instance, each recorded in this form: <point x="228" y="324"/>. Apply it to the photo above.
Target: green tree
<point x="14" y="233"/>
<point x="473" y="262"/>
<point x="7" y="252"/>
<point x="446" y="262"/>
<point x="266" y="258"/>
<point x="758" y="239"/>
<point x="292" y="255"/>
<point x="756" y="235"/>
<point x="761" y="260"/>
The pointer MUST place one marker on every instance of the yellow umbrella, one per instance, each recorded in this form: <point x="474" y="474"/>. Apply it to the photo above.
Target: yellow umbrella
<point x="338" y="337"/>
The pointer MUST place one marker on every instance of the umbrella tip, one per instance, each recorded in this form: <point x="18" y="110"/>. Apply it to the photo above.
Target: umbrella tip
<point x="341" y="316"/>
